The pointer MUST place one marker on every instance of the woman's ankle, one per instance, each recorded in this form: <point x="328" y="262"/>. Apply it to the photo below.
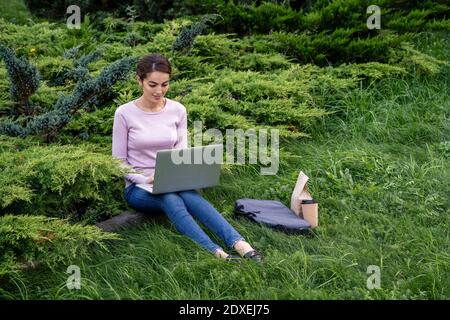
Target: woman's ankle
<point x="219" y="253"/>
<point x="243" y="247"/>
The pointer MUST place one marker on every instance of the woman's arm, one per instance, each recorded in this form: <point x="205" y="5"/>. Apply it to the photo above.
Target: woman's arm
<point x="120" y="148"/>
<point x="182" y="132"/>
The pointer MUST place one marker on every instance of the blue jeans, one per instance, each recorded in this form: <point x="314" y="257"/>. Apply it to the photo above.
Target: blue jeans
<point x="181" y="208"/>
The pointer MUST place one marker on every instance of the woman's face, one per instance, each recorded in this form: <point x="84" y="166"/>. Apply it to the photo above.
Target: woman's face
<point x="155" y="85"/>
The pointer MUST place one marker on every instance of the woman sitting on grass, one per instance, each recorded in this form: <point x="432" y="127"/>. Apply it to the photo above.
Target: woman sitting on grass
<point x="151" y="123"/>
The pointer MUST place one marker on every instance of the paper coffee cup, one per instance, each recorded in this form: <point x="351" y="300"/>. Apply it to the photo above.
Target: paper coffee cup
<point x="310" y="210"/>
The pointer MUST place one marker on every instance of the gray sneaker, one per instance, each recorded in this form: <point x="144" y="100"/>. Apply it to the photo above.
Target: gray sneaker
<point x="254" y="255"/>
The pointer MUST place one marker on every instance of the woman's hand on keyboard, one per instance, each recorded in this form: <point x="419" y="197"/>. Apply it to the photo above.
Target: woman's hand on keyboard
<point x="150" y="179"/>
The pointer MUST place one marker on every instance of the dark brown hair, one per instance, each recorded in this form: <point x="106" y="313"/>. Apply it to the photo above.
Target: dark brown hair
<point x="153" y="62"/>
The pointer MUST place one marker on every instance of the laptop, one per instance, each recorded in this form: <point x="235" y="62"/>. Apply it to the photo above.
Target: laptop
<point x="186" y="169"/>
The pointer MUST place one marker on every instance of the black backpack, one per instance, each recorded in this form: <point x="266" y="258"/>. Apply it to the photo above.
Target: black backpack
<point x="272" y="214"/>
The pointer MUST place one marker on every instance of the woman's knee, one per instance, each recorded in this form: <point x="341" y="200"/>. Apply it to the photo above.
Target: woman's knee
<point x="172" y="202"/>
<point x="169" y="196"/>
<point x="189" y="195"/>
<point x="189" y="192"/>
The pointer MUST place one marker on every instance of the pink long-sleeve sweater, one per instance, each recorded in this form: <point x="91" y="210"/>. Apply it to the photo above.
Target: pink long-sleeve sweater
<point x="138" y="135"/>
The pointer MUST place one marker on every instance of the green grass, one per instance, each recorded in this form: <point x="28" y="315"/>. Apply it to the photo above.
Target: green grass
<point x="379" y="170"/>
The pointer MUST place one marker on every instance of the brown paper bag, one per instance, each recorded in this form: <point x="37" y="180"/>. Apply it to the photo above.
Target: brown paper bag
<point x="299" y="194"/>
